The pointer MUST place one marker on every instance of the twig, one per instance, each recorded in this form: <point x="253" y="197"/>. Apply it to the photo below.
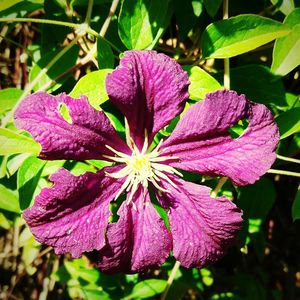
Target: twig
<point x="226" y="60"/>
<point x="107" y="21"/>
<point x="289" y="159"/>
<point x="170" y="280"/>
<point x="218" y="187"/>
<point x="283" y="172"/>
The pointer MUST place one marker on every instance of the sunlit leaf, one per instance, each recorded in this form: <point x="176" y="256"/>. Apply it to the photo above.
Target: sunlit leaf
<point x="201" y="82"/>
<point x="28" y="177"/>
<point x="240" y="34"/>
<point x="9" y="200"/>
<point x="285" y="6"/>
<point x="8" y="98"/>
<point x="289" y="122"/>
<point x="79" y="268"/>
<point x="63" y="64"/>
<point x="4" y="4"/>
<point x="142" y="22"/>
<point x="147" y="288"/>
<point x="286" y="52"/>
<point x="12" y="142"/>
<point x="92" y="86"/>
<point x="4" y="222"/>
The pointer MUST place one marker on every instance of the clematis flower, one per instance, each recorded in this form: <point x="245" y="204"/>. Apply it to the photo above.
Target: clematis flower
<point x="150" y="89"/>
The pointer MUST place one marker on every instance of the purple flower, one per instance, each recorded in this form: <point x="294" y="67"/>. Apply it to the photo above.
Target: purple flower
<point x="150" y="89"/>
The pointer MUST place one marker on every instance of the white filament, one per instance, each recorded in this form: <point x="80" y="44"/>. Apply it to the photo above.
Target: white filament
<point x="141" y="167"/>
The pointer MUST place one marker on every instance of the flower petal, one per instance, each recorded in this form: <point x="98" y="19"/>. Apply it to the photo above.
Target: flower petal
<point x="202" y="227"/>
<point x="149" y="89"/>
<point x="138" y="240"/>
<point x="84" y="137"/>
<point x="201" y="141"/>
<point x="72" y="215"/>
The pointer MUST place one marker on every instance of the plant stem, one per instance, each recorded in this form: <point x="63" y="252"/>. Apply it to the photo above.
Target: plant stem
<point x="170" y="280"/>
<point x="218" y="187"/>
<point x="89" y="12"/>
<point x="47" y="21"/>
<point x="289" y="159"/>
<point x="107" y="21"/>
<point x="283" y="172"/>
<point x="102" y="33"/>
<point x="30" y="86"/>
<point x="226" y="60"/>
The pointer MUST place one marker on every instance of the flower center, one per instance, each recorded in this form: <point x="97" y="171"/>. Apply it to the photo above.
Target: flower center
<point x="141" y="167"/>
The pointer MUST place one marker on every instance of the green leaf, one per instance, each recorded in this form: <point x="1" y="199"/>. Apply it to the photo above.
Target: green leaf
<point x="147" y="288"/>
<point x="285" y="6"/>
<point x="63" y="64"/>
<point x="8" y="98"/>
<point x="27" y="180"/>
<point x="296" y="206"/>
<point x="79" y="268"/>
<point x="92" y="86"/>
<point x="292" y="100"/>
<point x="240" y="34"/>
<point x="12" y="142"/>
<point x="289" y="122"/>
<point x="259" y="84"/>
<point x="94" y="292"/>
<point x="201" y="82"/>
<point x="14" y="162"/>
<point x="105" y="55"/>
<point x="5" y="4"/>
<point x="142" y="22"/>
<point x="4" y="222"/>
<point x="255" y="203"/>
<point x="212" y="7"/>
<point x="286" y="52"/>
<point x="186" y="13"/>
<point x="64" y="112"/>
<point x="8" y="200"/>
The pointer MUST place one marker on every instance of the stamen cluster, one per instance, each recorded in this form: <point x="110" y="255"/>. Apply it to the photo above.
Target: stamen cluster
<point x="141" y="167"/>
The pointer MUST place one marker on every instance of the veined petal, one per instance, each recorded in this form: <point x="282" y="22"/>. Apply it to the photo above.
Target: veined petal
<point x="202" y="227"/>
<point x="150" y="89"/>
<point x="202" y="144"/>
<point x="84" y="137"/>
<point x="72" y="215"/>
<point x="138" y="240"/>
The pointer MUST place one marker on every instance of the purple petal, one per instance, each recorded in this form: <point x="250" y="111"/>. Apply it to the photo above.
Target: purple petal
<point x="202" y="227"/>
<point x="201" y="141"/>
<point x="149" y="89"/>
<point x="86" y="136"/>
<point x="72" y="215"/>
<point x="138" y="240"/>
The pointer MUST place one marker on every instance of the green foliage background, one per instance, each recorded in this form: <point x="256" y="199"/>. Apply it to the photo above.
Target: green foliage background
<point x="70" y="46"/>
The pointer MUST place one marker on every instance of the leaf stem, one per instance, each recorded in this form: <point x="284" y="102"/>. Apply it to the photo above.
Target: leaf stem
<point x="283" y="172"/>
<point x="289" y="159"/>
<point x="170" y="280"/>
<point x="102" y="33"/>
<point x="107" y="21"/>
<point x="226" y="60"/>
<point x="218" y="187"/>
<point x="89" y="12"/>
<point x="53" y="22"/>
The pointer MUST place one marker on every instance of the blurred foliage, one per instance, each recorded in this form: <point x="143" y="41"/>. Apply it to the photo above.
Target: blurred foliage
<point x="262" y="40"/>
